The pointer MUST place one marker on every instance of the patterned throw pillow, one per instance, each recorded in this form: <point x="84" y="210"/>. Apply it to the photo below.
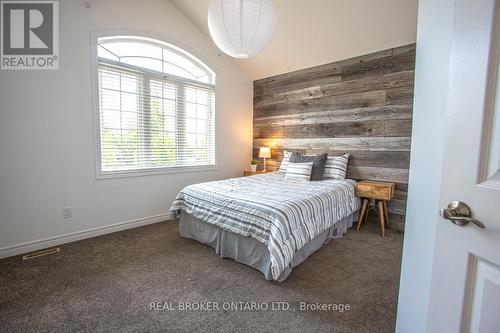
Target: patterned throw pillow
<point x="299" y="171"/>
<point x="336" y="167"/>
<point x="319" y="162"/>
<point x="285" y="161"/>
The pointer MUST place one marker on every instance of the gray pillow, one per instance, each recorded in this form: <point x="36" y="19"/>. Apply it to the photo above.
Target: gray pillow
<point x="319" y="162"/>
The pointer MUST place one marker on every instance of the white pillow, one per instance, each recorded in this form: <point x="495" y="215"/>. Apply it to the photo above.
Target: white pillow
<point x="285" y="160"/>
<point x="336" y="167"/>
<point x="299" y="171"/>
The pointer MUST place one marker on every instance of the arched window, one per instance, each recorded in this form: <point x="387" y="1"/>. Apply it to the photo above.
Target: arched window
<point x="156" y="107"/>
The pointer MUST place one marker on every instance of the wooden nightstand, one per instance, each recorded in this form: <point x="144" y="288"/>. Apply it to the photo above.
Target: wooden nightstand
<point x="251" y="173"/>
<point x="379" y="193"/>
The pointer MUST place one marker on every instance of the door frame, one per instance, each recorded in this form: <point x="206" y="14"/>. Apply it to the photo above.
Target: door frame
<point x="434" y="36"/>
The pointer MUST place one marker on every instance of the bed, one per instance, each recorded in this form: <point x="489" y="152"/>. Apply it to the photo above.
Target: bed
<point x="266" y="221"/>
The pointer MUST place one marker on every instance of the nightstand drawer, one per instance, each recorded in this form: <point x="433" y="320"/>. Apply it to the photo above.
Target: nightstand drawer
<point x="375" y="190"/>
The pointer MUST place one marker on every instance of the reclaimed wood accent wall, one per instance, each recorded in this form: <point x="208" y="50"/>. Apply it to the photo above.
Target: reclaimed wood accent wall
<point x="362" y="106"/>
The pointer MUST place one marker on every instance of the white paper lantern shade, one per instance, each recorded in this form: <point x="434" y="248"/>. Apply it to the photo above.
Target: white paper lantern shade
<point x="241" y="28"/>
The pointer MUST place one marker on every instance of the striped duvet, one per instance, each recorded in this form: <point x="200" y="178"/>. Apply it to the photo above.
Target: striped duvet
<point x="281" y="213"/>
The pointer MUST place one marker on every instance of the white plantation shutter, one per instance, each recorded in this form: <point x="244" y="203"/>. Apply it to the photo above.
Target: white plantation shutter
<point x="153" y="120"/>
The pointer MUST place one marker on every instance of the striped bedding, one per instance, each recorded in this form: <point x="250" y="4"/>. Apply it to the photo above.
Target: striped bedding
<point x="281" y="213"/>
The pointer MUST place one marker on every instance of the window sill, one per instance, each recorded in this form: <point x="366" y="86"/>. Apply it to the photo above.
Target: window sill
<point x="153" y="172"/>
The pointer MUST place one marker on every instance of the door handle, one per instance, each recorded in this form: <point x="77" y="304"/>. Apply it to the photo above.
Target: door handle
<point x="460" y="214"/>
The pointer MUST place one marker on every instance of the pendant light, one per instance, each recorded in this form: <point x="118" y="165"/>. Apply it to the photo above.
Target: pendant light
<point x="241" y="28"/>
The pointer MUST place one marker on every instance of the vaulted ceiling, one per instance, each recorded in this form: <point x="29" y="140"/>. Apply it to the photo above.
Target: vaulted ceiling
<point x="315" y="32"/>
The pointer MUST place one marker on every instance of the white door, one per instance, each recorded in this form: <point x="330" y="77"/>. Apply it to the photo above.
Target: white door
<point x="465" y="287"/>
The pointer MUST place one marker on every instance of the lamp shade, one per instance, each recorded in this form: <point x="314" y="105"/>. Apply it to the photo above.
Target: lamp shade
<point x="241" y="28"/>
<point x="265" y="152"/>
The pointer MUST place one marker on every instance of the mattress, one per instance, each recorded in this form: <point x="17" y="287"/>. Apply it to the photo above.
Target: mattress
<point x="282" y="214"/>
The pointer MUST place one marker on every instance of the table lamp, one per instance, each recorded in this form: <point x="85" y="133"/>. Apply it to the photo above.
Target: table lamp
<point x="264" y="152"/>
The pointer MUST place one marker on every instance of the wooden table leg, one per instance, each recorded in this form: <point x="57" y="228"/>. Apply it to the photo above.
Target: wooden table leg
<point x="386" y="214"/>
<point x="362" y="214"/>
<point x="381" y="216"/>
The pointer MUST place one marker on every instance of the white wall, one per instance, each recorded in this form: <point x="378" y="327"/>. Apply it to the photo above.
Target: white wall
<point x="47" y="143"/>
<point x="435" y="21"/>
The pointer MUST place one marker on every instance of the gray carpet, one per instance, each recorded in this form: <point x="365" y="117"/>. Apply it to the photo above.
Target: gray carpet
<point x="106" y="284"/>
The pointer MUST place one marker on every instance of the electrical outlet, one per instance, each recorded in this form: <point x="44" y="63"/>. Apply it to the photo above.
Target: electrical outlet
<point x="67" y="212"/>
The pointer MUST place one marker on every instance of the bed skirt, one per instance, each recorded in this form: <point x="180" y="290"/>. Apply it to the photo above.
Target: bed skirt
<point x="249" y="251"/>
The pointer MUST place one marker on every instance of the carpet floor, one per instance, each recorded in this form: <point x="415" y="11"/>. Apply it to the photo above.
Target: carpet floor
<point x="107" y="284"/>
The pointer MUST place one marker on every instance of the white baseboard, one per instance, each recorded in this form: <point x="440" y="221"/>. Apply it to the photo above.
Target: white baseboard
<point x="58" y="240"/>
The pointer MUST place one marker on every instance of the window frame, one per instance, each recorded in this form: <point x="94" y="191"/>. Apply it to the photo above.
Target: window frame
<point x="162" y="42"/>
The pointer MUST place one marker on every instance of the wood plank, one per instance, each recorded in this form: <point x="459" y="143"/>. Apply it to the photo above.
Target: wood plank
<point x="377" y="173"/>
<point x="330" y="69"/>
<point x="350" y="144"/>
<point x="400" y="96"/>
<point x="410" y="48"/>
<point x="402" y="187"/>
<point x="330" y="103"/>
<point x="325" y="117"/>
<point x="386" y="128"/>
<point x="401" y="195"/>
<point x="397" y="206"/>
<point x="295" y="83"/>
<point x="376" y="67"/>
